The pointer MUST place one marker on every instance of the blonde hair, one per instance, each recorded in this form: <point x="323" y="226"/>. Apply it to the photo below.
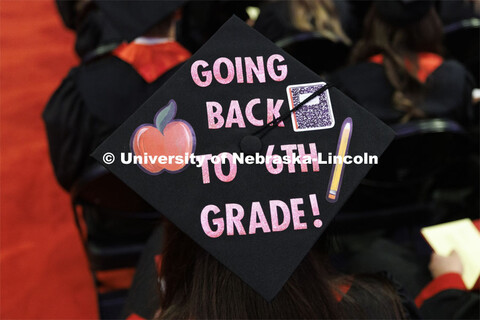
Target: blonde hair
<point x="318" y="16"/>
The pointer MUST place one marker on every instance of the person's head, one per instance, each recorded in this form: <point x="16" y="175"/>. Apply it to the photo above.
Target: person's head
<point x="194" y="285"/>
<point x="405" y="38"/>
<point x="135" y="18"/>
<point x="318" y="16"/>
<point x="167" y="27"/>
<point x="400" y="42"/>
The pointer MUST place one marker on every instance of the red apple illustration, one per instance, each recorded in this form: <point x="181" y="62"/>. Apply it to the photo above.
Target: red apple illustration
<point x="168" y="137"/>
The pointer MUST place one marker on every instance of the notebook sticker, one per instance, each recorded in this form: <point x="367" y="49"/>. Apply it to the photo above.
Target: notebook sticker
<point x="316" y="114"/>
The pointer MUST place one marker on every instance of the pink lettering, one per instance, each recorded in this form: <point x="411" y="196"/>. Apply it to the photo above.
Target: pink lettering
<point x="230" y="70"/>
<point x="297" y="214"/>
<point x="289" y="148"/>
<point x="273" y="111"/>
<point x="249" y="112"/>
<point x="234" y="115"/>
<point x="232" y="171"/>
<point x="257" y="219"/>
<point x="274" y="167"/>
<point x="274" y="68"/>
<point x="282" y="68"/>
<point x="234" y="221"/>
<point x="205" y="172"/>
<point x="206" y="74"/>
<point x="313" y="155"/>
<point x="239" y="69"/>
<point x="218" y="222"/>
<point x="274" y="204"/>
<point x="258" y="70"/>
<point x="215" y="119"/>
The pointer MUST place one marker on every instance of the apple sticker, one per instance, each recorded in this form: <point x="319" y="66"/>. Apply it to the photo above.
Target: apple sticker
<point x="169" y="139"/>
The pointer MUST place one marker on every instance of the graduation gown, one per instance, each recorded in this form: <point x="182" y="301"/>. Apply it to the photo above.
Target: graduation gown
<point x="448" y="89"/>
<point x="95" y="98"/>
<point x="446" y="297"/>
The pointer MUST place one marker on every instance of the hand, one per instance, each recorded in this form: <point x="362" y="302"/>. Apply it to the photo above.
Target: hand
<point x="440" y="265"/>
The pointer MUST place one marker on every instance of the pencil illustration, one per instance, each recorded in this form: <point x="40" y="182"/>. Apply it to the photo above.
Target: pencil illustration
<point x="338" y="168"/>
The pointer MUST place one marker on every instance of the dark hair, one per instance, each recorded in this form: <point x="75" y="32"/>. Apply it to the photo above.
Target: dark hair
<point x="399" y="44"/>
<point x="194" y="285"/>
<point x="162" y="28"/>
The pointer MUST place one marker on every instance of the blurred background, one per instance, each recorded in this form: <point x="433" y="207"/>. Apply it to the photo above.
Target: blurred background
<point x="54" y="264"/>
<point x="44" y="271"/>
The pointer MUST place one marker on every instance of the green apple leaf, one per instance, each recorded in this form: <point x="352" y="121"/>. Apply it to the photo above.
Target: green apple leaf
<point x="165" y="115"/>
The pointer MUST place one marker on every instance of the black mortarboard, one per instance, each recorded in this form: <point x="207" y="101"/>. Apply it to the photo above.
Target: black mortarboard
<point x="259" y="220"/>
<point x="132" y="18"/>
<point x="402" y="12"/>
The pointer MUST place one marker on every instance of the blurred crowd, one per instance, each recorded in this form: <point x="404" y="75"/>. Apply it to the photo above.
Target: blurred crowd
<point x="412" y="64"/>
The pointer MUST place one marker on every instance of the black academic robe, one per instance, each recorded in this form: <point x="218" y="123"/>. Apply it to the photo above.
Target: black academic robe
<point x="452" y="304"/>
<point x="442" y="298"/>
<point x="92" y="101"/>
<point x="448" y="91"/>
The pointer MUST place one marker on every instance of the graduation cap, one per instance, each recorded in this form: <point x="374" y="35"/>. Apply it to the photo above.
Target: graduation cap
<point x="402" y="12"/>
<point x="132" y="18"/>
<point x="242" y="95"/>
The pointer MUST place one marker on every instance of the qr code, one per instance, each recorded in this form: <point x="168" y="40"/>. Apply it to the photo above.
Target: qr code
<point x="316" y="114"/>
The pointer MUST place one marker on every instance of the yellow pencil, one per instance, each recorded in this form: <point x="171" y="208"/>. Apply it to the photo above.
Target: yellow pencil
<point x="342" y="149"/>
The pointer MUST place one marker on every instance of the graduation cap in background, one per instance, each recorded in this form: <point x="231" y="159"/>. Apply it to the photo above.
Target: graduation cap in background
<point x="242" y="94"/>
<point x="132" y="18"/>
<point x="402" y="12"/>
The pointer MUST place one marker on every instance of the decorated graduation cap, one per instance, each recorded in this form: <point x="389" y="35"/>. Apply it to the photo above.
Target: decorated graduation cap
<point x="402" y="12"/>
<point x="264" y="130"/>
<point x="132" y="18"/>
